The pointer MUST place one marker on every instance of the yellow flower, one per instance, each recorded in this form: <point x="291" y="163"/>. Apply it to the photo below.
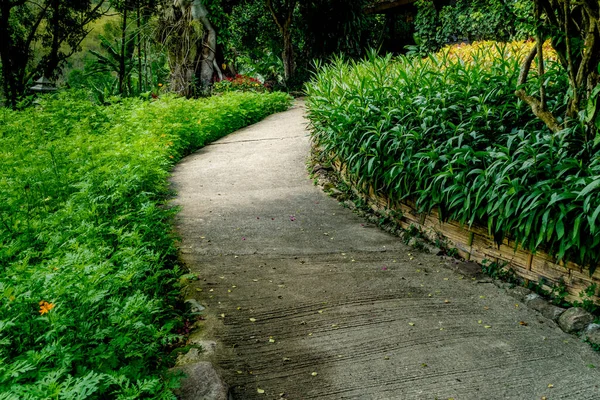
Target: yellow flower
<point x="224" y="66"/>
<point x="160" y="85"/>
<point x="45" y="307"/>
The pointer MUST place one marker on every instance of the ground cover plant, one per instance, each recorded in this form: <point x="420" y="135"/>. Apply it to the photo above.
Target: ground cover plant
<point x="448" y="132"/>
<point x="88" y="271"/>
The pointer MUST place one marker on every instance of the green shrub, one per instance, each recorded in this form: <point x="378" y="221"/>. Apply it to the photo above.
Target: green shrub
<point x="471" y="20"/>
<point x="88" y="270"/>
<point x="452" y="135"/>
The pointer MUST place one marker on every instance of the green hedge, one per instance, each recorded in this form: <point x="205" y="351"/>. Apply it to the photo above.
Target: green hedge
<point x="451" y="135"/>
<point x="88" y="269"/>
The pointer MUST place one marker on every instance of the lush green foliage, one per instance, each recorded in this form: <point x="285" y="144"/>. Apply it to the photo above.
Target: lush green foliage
<point x="452" y="135"/>
<point x="472" y="20"/>
<point x="88" y="271"/>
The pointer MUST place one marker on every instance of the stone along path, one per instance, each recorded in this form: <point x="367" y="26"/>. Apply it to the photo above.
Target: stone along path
<point x="308" y="301"/>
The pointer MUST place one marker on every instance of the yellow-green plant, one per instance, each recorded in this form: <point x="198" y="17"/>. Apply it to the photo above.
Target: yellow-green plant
<point x="88" y="267"/>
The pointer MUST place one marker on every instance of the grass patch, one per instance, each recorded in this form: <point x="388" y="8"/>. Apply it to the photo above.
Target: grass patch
<point x="88" y="268"/>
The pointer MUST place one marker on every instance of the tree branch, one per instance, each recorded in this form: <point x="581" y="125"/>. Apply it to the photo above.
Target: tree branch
<point x="274" y="15"/>
<point x="538" y="108"/>
<point x="526" y="66"/>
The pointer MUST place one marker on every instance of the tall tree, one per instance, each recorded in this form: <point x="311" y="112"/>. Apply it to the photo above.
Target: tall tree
<point x="574" y="30"/>
<point x="282" y="12"/>
<point x="209" y="44"/>
<point x="58" y="25"/>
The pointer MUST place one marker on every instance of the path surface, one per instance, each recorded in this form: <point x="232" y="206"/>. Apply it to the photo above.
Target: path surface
<point x="306" y="286"/>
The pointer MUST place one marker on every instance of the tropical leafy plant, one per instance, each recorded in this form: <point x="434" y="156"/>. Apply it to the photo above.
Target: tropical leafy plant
<point x="450" y="134"/>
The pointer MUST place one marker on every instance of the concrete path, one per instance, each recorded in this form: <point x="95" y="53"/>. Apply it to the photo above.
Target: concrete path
<point x="309" y="301"/>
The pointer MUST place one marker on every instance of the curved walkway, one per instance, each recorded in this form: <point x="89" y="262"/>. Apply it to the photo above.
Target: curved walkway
<point x="309" y="301"/>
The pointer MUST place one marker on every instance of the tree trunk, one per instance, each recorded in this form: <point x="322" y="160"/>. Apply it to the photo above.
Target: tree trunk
<point x="122" y="55"/>
<point x="289" y="66"/>
<point x="139" y="48"/>
<point x="52" y="64"/>
<point x="209" y="45"/>
<point x="283" y="19"/>
<point x="7" y="75"/>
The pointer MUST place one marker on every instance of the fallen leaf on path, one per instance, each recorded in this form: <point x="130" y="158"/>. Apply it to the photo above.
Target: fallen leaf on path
<point x="271" y="340"/>
<point x="445" y="279"/>
<point x="487" y="326"/>
<point x="254" y="280"/>
<point x="320" y="311"/>
<point x="550" y="385"/>
<point x="523" y="323"/>
<point x="411" y="323"/>
<point x="252" y="319"/>
<point x="222" y="315"/>
<point x="446" y="301"/>
<point x="479" y="322"/>
<point x="310" y="334"/>
<point x="287" y="359"/>
<point x="314" y="374"/>
<point x="482" y="297"/>
<point x="239" y="308"/>
<point x="260" y="391"/>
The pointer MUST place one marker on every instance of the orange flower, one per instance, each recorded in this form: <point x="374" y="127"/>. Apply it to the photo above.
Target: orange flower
<point x="160" y="85"/>
<point x="45" y="307"/>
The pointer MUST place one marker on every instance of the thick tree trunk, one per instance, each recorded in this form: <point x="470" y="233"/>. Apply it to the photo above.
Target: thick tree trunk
<point x="209" y="46"/>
